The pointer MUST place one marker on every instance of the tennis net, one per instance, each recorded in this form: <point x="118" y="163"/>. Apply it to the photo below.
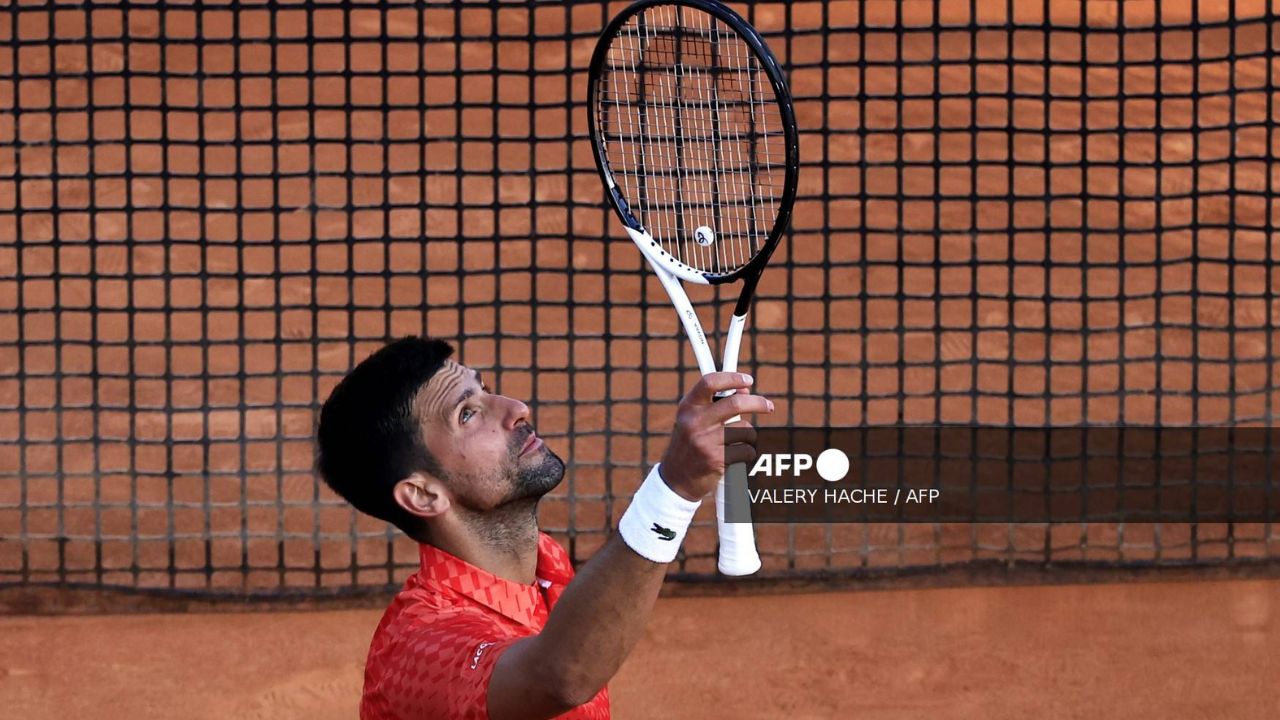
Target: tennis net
<point x="1009" y="213"/>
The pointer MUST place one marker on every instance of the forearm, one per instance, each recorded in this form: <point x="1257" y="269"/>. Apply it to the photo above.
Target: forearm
<point x="594" y="626"/>
<point x="601" y="615"/>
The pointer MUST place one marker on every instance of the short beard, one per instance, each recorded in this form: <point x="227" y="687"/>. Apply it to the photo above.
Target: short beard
<point x="531" y="483"/>
<point x="513" y="521"/>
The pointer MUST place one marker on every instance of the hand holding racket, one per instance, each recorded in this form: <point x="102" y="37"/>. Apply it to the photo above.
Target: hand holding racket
<point x="695" y="138"/>
<point x="706" y="438"/>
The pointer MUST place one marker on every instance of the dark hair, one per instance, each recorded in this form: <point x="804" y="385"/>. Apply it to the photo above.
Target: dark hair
<point x="369" y="437"/>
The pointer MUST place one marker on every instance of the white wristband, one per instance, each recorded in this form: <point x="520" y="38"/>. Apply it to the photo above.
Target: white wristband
<point x="655" y="523"/>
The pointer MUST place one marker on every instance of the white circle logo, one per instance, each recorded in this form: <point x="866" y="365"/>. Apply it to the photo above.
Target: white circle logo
<point x="833" y="465"/>
<point x="704" y="236"/>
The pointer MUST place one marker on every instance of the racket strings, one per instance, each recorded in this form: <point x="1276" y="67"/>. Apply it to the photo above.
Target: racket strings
<point x="693" y="135"/>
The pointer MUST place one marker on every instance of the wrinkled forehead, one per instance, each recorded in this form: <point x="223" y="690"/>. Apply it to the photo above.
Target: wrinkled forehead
<point x="443" y="389"/>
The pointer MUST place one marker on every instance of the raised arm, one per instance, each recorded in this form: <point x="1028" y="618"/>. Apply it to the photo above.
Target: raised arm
<point x="603" y="611"/>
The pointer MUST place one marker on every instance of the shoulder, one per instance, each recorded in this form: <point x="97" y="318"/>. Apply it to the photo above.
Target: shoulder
<point x="415" y="621"/>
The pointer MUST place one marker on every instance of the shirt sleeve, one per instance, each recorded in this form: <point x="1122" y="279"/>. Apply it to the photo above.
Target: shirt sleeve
<point x="437" y="668"/>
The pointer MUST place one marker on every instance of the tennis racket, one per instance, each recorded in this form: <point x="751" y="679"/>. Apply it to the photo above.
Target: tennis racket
<point x="695" y="138"/>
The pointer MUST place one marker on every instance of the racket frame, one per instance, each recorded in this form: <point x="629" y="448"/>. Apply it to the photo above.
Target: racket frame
<point x="749" y="272"/>
<point x="738" y="555"/>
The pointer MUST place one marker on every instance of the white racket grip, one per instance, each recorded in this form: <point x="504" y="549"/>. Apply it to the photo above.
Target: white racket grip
<point x="738" y="555"/>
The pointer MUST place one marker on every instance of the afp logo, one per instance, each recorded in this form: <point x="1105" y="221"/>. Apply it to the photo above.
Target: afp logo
<point x="832" y="464"/>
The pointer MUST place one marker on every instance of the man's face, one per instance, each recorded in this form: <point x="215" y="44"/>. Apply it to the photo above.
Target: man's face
<point x="483" y="444"/>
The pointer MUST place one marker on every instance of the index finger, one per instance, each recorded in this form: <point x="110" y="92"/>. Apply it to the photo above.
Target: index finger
<point x="733" y="406"/>
<point x="704" y="392"/>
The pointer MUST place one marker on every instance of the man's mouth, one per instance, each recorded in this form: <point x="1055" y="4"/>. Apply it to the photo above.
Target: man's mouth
<point x="533" y="443"/>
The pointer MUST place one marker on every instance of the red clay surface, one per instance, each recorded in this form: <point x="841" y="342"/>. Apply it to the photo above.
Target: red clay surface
<point x="1142" y="650"/>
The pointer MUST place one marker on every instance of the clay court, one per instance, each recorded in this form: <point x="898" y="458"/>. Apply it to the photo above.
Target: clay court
<point x="1199" y="649"/>
<point x="1039" y="214"/>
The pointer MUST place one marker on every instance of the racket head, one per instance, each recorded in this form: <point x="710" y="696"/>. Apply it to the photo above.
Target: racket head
<point x="694" y="133"/>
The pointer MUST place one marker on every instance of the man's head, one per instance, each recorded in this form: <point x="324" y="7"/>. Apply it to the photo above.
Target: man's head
<point x="413" y="438"/>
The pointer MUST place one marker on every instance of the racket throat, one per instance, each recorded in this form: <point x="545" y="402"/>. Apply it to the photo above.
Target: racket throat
<point x="693" y="327"/>
<point x="688" y="318"/>
<point x="748" y="294"/>
<point x="733" y="341"/>
<point x="663" y="261"/>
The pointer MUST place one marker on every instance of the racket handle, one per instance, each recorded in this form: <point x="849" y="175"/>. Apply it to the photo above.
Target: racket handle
<point x="738" y="555"/>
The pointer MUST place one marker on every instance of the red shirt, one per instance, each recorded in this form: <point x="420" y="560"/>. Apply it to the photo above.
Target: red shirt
<point x="435" y="648"/>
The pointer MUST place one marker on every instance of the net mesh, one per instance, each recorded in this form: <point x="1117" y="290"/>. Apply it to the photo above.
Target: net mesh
<point x="1025" y="213"/>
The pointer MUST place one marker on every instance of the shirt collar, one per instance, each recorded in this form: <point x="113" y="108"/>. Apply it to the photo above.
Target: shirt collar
<point x="514" y="601"/>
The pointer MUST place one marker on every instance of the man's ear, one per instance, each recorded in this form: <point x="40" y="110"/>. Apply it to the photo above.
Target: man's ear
<point x="422" y="496"/>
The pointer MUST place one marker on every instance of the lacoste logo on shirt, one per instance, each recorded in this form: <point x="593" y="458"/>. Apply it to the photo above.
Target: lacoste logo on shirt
<point x="475" y="659"/>
<point x="666" y="534"/>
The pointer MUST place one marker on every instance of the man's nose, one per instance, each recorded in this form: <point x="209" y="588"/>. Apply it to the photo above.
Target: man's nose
<point x="517" y="413"/>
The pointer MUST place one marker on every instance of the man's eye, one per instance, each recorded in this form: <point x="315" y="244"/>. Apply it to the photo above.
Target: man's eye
<point x="467" y="413"/>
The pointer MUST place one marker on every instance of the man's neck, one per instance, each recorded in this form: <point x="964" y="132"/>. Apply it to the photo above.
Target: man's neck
<point x="503" y="542"/>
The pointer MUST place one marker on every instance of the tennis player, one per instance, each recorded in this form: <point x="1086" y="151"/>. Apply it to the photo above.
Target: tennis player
<point x="496" y="624"/>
